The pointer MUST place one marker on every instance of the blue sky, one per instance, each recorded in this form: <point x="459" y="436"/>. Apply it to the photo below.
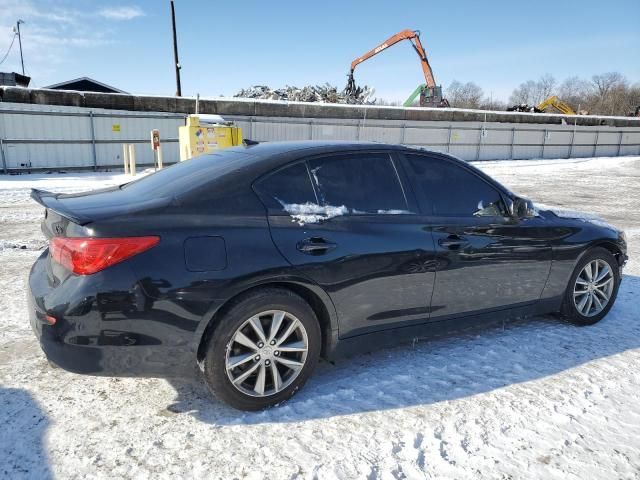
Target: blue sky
<point x="225" y="46"/>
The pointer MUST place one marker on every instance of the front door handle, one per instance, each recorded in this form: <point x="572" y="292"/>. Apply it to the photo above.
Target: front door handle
<point x="315" y="246"/>
<point x="453" y="242"/>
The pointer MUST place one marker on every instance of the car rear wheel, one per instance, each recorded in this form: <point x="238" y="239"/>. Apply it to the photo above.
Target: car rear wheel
<point x="593" y="287"/>
<point x="264" y="349"/>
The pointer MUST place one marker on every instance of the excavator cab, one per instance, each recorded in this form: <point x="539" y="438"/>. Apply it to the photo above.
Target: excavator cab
<point x="432" y="97"/>
<point x="429" y="97"/>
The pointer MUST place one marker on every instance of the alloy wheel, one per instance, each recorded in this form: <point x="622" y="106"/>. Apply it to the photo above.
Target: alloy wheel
<point x="593" y="288"/>
<point x="266" y="353"/>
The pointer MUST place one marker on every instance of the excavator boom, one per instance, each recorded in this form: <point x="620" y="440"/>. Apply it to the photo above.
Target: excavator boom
<point x="430" y="93"/>
<point x="558" y="104"/>
<point x="414" y="37"/>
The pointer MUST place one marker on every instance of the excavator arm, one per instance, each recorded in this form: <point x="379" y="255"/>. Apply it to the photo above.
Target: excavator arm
<point x="558" y="104"/>
<point x="414" y="37"/>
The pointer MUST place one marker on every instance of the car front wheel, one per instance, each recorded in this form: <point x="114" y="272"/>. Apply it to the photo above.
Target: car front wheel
<point x="593" y="287"/>
<point x="264" y="349"/>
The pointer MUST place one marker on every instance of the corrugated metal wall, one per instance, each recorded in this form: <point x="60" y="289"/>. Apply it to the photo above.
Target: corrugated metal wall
<point x="467" y="140"/>
<point x="43" y="136"/>
<point x="46" y="136"/>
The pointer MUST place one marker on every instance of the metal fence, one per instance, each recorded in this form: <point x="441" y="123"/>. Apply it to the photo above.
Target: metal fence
<point x="467" y="140"/>
<point x="44" y="136"/>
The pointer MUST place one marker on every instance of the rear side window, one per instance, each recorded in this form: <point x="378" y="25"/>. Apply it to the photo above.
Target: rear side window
<point x="189" y="175"/>
<point x="287" y="186"/>
<point x="363" y="183"/>
<point x="446" y="189"/>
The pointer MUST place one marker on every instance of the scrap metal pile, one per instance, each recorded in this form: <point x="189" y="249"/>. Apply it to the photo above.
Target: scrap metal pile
<point x="523" y="107"/>
<point x="311" y="93"/>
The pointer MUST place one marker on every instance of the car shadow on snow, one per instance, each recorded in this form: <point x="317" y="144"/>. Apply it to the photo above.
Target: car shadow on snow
<point x="443" y="368"/>
<point x="22" y="431"/>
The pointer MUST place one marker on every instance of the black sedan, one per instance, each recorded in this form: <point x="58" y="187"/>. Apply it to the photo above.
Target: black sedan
<point x="253" y="262"/>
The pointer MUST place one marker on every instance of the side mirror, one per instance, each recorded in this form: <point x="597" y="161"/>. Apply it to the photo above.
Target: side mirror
<point x="522" y="208"/>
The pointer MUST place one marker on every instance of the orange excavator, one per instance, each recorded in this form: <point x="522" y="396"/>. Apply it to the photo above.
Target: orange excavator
<point x="430" y="93"/>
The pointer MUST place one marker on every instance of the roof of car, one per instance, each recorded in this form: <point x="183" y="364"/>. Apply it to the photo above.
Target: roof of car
<point x="266" y="156"/>
<point x="312" y="146"/>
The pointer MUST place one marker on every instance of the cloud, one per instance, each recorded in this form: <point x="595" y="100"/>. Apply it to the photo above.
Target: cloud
<point x="121" y="13"/>
<point x="26" y="9"/>
<point x="54" y="34"/>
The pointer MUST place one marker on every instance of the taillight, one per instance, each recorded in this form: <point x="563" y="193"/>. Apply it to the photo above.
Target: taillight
<point x="87" y="255"/>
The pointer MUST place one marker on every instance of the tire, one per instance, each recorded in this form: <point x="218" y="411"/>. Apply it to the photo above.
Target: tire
<point x="570" y="309"/>
<point x="224" y="349"/>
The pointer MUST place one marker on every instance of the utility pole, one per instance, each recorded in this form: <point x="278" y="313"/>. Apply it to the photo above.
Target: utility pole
<point x="20" y="43"/>
<point x="175" y="51"/>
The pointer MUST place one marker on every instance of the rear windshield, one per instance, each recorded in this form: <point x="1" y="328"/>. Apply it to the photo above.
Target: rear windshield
<point x="188" y="175"/>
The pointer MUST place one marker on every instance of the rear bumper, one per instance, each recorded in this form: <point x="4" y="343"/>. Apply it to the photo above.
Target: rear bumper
<point x="86" y="343"/>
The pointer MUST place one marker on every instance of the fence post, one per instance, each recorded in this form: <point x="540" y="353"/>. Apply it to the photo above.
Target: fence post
<point x="358" y="131"/>
<point x="251" y="128"/>
<point x="544" y="142"/>
<point x="310" y="129"/>
<point x="480" y="132"/>
<point x="595" y="145"/>
<point x="404" y="132"/>
<point x="125" y="157"/>
<point x="93" y="141"/>
<point x="132" y="159"/>
<point x="573" y="135"/>
<point x="449" y="139"/>
<point x="619" y="143"/>
<point x="4" y="160"/>
<point x="513" y="139"/>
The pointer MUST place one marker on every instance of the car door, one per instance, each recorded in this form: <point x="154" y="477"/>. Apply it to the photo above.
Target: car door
<point x="487" y="260"/>
<point x="347" y="222"/>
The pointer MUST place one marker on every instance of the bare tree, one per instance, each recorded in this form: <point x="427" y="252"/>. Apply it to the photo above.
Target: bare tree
<point x="610" y="92"/>
<point x="523" y="94"/>
<point x="464" y="95"/>
<point x="576" y="92"/>
<point x="533" y="92"/>
<point x="545" y="87"/>
<point x="633" y="100"/>
<point x="605" y="82"/>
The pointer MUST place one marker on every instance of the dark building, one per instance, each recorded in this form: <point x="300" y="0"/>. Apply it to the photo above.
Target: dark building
<point x="85" y="84"/>
<point x="14" y="79"/>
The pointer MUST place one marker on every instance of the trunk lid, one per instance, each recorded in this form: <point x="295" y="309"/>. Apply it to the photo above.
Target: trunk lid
<point x="84" y="208"/>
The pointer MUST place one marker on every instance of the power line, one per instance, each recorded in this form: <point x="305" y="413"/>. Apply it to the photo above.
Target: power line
<point x="9" y="50"/>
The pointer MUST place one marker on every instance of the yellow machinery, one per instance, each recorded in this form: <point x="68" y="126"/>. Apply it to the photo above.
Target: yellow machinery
<point x="556" y="103"/>
<point x="206" y="134"/>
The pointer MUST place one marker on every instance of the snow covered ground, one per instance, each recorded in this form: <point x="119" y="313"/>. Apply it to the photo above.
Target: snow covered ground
<point x="539" y="399"/>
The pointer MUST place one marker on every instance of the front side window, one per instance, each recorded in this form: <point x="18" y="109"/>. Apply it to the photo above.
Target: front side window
<point x="447" y="189"/>
<point x="362" y="183"/>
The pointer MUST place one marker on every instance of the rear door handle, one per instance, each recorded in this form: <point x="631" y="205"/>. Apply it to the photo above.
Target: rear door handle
<point x="315" y="246"/>
<point x="453" y="242"/>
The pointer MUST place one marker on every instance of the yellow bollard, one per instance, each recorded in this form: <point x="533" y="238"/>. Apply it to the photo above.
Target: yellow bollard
<point x="159" y="157"/>
<point x="125" y="157"/>
<point x="132" y="159"/>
